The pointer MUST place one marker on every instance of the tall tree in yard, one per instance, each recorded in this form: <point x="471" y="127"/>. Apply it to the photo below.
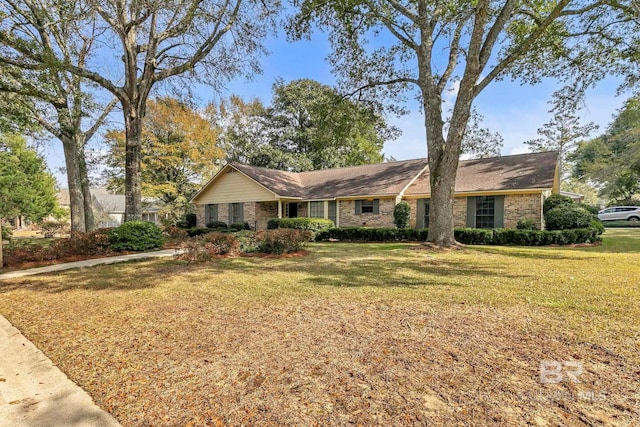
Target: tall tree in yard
<point x="563" y="132"/>
<point x="26" y="187"/>
<point x="308" y="126"/>
<point x="206" y="41"/>
<point x="42" y="94"/>
<point x="179" y="153"/>
<point x="484" y="41"/>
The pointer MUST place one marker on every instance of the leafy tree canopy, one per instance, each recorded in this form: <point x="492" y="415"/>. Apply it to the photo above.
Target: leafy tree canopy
<point x="179" y="153"/>
<point x="612" y="160"/>
<point x="308" y="126"/>
<point x="26" y="186"/>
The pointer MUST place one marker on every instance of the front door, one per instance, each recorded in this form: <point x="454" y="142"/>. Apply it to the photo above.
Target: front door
<point x="293" y="210"/>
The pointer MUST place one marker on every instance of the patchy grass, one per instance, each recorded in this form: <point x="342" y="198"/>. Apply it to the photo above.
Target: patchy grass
<point x="371" y="334"/>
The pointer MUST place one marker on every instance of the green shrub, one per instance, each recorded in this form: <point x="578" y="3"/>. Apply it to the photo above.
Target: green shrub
<point x="363" y="234"/>
<point x="248" y="242"/>
<point x="282" y="240"/>
<point x="567" y="217"/>
<point x="189" y="221"/>
<point x="6" y="233"/>
<point x="240" y="226"/>
<point x="136" y="236"/>
<point x="310" y="224"/>
<point x="555" y="200"/>
<point x="591" y="208"/>
<point x="216" y="224"/>
<point x="273" y="223"/>
<point x="527" y="224"/>
<point x="474" y="236"/>
<point x="597" y="225"/>
<point x="402" y="214"/>
<point x="469" y="236"/>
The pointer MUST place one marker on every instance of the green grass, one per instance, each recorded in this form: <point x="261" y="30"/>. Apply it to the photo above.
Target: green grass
<point x="623" y="224"/>
<point x="280" y="340"/>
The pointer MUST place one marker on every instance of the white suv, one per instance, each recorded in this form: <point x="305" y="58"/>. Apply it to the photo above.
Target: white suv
<point x="617" y="213"/>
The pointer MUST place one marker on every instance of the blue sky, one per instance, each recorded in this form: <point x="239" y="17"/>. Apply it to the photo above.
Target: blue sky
<point x="515" y="111"/>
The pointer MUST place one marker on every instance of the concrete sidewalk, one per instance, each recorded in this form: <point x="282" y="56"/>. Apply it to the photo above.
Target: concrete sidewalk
<point x="34" y="393"/>
<point x="87" y="263"/>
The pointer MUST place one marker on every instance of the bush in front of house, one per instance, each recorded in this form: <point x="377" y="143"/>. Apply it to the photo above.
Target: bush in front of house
<point x="188" y="221"/>
<point x="527" y="224"/>
<point x="216" y="224"/>
<point x="309" y="224"/>
<point x="402" y="214"/>
<point x="282" y="240"/>
<point x="136" y="236"/>
<point x="567" y="217"/>
<point x="468" y="236"/>
<point x="207" y="246"/>
<point x="554" y="201"/>
<point x="364" y="234"/>
<point x="238" y="226"/>
<point x="273" y="223"/>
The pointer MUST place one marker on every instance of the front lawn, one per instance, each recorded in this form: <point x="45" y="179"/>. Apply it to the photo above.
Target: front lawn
<point x="370" y="334"/>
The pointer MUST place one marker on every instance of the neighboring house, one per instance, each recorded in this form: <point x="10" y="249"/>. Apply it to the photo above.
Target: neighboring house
<point x="109" y="208"/>
<point x="489" y="193"/>
<point x="576" y="197"/>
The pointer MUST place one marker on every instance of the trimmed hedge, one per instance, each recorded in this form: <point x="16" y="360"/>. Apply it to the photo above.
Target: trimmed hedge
<point x="217" y="224"/>
<point x="304" y="223"/>
<point x="469" y="236"/>
<point x="527" y="224"/>
<point x="136" y="236"/>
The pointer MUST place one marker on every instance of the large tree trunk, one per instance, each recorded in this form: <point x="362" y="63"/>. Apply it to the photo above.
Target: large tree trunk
<point x="76" y="198"/>
<point x="133" y="157"/>
<point x="1" y="260"/>
<point x="87" y="202"/>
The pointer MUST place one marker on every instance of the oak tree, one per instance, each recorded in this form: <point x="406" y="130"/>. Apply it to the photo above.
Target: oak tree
<point x="385" y="46"/>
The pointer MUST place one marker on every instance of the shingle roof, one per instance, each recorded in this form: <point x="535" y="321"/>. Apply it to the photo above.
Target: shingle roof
<point x="519" y="172"/>
<point x="379" y="179"/>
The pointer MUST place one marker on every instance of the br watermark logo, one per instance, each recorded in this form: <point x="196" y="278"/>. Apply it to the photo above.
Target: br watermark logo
<point x="554" y="371"/>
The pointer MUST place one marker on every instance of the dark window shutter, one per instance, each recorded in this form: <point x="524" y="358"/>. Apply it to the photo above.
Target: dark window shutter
<point x="498" y="212"/>
<point x="420" y="213"/>
<point x="241" y="213"/>
<point x="376" y="206"/>
<point x="230" y="214"/>
<point x="207" y="210"/>
<point x="358" y="207"/>
<point x="213" y="213"/>
<point x="471" y="212"/>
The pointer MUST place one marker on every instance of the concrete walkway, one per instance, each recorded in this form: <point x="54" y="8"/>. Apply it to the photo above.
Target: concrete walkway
<point x="87" y="263"/>
<point x="34" y="393"/>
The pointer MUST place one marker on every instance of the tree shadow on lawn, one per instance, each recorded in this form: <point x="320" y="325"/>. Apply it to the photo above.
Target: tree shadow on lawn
<point x="535" y="252"/>
<point x="123" y="276"/>
<point x="324" y="270"/>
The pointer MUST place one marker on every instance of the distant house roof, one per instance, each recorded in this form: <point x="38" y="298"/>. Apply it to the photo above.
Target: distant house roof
<point x="407" y="177"/>
<point x="518" y="172"/>
<point x="108" y="202"/>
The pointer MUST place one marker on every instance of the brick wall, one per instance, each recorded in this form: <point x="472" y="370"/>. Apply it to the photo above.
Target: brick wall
<point x="264" y="212"/>
<point x="348" y="218"/>
<point x="200" y="219"/>
<point x="522" y="206"/>
<point x="460" y="212"/>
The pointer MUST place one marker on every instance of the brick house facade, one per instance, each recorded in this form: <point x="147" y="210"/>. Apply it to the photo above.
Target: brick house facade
<point x="494" y="193"/>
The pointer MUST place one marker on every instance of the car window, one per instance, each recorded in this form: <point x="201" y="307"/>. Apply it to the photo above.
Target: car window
<point x="609" y="210"/>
